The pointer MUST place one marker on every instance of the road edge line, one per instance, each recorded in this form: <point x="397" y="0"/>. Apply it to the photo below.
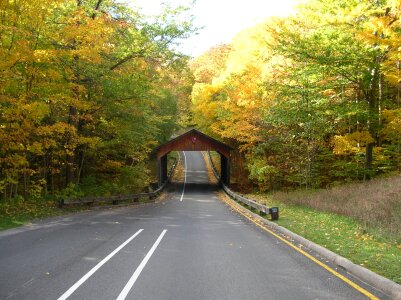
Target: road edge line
<point x="376" y="281"/>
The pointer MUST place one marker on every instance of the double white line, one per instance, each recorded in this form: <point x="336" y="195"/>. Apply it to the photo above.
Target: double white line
<point x="134" y="276"/>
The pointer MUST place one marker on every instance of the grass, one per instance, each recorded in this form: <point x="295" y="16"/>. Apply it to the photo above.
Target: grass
<point x="17" y="212"/>
<point x="376" y="204"/>
<point x="210" y="174"/>
<point x="341" y="234"/>
<point x="216" y="160"/>
<point x="179" y="172"/>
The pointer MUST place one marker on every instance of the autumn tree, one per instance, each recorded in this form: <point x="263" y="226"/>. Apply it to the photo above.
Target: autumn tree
<point x="86" y="92"/>
<point x="311" y="99"/>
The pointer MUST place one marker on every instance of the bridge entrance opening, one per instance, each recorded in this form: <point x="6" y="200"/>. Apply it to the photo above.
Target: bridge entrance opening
<point x="193" y="140"/>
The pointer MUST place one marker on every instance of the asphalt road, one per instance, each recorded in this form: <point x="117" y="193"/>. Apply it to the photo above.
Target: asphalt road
<point x="190" y="246"/>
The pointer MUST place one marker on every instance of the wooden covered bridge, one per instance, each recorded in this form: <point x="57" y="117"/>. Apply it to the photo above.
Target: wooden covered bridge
<point x="193" y="140"/>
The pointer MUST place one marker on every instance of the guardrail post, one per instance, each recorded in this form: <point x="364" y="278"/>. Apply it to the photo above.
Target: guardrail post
<point x="274" y="212"/>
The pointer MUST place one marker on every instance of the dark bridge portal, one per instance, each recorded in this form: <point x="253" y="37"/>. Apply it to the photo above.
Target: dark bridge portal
<point x="193" y="140"/>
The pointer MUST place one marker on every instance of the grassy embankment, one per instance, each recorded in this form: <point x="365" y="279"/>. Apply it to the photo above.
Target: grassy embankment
<point x="17" y="212"/>
<point x="360" y="221"/>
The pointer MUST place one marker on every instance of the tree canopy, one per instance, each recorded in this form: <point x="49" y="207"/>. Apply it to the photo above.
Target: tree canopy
<point x="310" y="99"/>
<point x="87" y="89"/>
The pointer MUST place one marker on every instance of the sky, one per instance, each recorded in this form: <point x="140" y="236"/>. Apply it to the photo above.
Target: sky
<point x="221" y="19"/>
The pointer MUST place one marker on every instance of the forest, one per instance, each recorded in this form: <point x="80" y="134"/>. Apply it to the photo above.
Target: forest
<point x="89" y="87"/>
<point x="311" y="100"/>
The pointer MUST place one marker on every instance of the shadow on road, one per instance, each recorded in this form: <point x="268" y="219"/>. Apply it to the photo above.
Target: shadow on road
<point x="194" y="188"/>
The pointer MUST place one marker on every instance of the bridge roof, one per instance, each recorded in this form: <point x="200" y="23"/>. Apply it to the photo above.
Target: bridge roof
<point x="193" y="140"/>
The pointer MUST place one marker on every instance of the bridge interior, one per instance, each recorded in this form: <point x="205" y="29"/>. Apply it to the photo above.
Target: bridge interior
<point x="193" y="140"/>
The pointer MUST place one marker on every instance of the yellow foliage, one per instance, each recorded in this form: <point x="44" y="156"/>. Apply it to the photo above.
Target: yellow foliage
<point x="392" y="125"/>
<point x="231" y="103"/>
<point x="360" y="137"/>
<point x="209" y="65"/>
<point x="90" y="142"/>
<point x="35" y="148"/>
<point x="341" y="145"/>
<point x="112" y="164"/>
<point x="351" y="143"/>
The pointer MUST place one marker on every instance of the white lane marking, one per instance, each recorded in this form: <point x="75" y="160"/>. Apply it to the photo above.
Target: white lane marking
<point x="185" y="176"/>
<point x="138" y="270"/>
<point x="95" y="268"/>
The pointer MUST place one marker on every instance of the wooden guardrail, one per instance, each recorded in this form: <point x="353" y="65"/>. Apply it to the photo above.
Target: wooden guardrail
<point x="263" y="209"/>
<point x="116" y="199"/>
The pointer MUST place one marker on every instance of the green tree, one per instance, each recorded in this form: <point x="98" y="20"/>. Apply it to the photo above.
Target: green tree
<point x="86" y="91"/>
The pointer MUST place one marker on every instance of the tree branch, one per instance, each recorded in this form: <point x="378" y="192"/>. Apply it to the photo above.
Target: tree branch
<point x="99" y="2"/>
<point x="127" y="58"/>
<point x="97" y="6"/>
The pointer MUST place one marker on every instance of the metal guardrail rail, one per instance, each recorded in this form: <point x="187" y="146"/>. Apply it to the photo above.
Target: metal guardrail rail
<point x="115" y="199"/>
<point x="263" y="209"/>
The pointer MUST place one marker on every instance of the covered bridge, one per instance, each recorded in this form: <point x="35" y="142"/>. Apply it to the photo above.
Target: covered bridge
<point x="193" y="140"/>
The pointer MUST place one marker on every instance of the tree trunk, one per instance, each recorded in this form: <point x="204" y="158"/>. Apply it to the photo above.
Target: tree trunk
<point x="81" y="164"/>
<point x="70" y="159"/>
<point x="368" y="161"/>
<point x="371" y="123"/>
<point x="380" y="100"/>
<point x="25" y="187"/>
